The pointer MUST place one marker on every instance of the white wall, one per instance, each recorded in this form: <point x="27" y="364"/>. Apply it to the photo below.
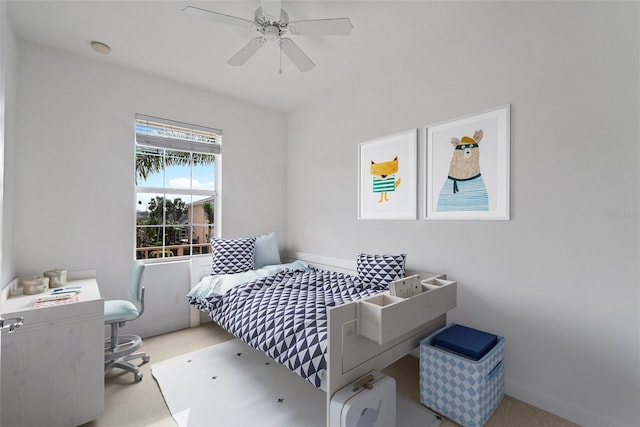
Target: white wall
<point x="7" y="131"/>
<point x="74" y="171"/>
<point x="4" y="30"/>
<point x="560" y="279"/>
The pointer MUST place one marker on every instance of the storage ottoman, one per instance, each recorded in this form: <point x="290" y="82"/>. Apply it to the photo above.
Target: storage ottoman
<point x="462" y="389"/>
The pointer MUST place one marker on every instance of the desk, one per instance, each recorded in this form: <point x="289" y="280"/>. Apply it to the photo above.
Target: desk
<point x="53" y="365"/>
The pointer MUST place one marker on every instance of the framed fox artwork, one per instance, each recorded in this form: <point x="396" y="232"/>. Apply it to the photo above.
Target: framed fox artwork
<point x="387" y="177"/>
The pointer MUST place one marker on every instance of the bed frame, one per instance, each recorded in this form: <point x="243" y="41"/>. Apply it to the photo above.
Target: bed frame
<point x="371" y="333"/>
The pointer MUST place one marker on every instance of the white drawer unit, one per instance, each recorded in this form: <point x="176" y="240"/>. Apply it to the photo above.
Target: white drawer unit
<point x="53" y="365"/>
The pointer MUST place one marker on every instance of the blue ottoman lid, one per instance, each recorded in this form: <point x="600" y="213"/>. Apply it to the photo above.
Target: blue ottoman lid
<point x="465" y="341"/>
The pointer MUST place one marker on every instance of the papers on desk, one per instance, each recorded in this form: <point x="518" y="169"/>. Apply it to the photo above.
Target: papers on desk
<point x="55" y="299"/>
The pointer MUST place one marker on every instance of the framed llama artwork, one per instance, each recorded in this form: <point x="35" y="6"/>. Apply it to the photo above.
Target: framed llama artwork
<point x="467" y="167"/>
<point x="387" y="177"/>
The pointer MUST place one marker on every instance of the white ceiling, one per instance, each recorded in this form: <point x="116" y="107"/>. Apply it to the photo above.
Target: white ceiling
<point x="156" y="37"/>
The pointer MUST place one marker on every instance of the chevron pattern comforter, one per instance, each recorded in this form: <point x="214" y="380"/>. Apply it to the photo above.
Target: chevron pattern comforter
<point x="285" y="315"/>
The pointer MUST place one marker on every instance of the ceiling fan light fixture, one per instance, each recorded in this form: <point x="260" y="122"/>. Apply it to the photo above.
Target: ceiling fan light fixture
<point x="272" y="33"/>
<point x="100" y="47"/>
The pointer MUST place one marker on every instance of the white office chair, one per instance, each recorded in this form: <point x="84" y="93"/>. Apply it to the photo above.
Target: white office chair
<point x="119" y="349"/>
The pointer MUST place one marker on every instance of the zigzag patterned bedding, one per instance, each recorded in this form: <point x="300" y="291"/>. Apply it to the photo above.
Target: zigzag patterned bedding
<point x="285" y="315"/>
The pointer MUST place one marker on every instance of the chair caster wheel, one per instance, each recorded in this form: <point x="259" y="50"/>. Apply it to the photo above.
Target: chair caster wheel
<point x="137" y="377"/>
<point x="146" y="359"/>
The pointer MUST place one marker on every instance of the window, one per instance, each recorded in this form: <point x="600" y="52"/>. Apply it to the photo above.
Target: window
<point x="176" y="198"/>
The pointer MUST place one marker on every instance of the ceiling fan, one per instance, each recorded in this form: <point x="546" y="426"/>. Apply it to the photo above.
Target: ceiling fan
<point x="272" y="23"/>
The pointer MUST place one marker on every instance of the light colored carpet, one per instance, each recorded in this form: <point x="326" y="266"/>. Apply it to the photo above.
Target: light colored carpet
<point x="129" y="404"/>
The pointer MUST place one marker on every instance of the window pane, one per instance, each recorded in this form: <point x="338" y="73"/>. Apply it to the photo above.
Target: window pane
<point x="177" y="209"/>
<point x="148" y="239"/>
<point x="149" y="230"/>
<point x="149" y="166"/>
<point x="160" y="251"/>
<point x="178" y="170"/>
<point x="149" y="209"/>
<point x="179" y="240"/>
<point x="202" y="235"/>
<point x="203" y="210"/>
<point x="204" y="172"/>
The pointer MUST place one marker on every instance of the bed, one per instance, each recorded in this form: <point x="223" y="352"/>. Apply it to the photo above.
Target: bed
<point x="308" y="313"/>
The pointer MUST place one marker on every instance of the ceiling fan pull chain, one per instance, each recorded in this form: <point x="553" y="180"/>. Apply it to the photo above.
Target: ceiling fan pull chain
<point x="280" y="57"/>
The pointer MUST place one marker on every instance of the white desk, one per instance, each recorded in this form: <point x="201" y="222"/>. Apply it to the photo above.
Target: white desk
<point x="53" y="365"/>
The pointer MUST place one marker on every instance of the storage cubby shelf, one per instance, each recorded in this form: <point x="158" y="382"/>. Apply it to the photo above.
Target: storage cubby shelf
<point x="384" y="317"/>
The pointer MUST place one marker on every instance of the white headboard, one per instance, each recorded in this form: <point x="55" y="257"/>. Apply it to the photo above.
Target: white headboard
<point x="343" y="265"/>
<point x="324" y="262"/>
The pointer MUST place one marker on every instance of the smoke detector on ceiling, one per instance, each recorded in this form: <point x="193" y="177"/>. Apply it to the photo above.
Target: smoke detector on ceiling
<point x="100" y="47"/>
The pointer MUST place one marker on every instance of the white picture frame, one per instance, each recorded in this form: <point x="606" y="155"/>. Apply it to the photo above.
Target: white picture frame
<point x="387" y="177"/>
<point x="468" y="179"/>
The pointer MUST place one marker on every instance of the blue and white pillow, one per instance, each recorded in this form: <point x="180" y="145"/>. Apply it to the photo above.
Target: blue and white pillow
<point x="232" y="255"/>
<point x="380" y="269"/>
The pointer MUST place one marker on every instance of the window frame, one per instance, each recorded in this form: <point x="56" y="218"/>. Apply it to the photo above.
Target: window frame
<point x="165" y="145"/>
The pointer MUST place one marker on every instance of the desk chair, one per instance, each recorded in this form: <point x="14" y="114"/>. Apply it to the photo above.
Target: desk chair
<point x="119" y="349"/>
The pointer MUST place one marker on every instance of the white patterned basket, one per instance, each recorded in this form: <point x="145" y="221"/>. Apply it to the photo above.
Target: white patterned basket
<point x="464" y="390"/>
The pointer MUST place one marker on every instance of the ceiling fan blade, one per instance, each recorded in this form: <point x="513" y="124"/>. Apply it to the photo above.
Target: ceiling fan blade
<point x="247" y="51"/>
<point x="322" y="27"/>
<point x="271" y="9"/>
<point x="296" y="55"/>
<point x="196" y="12"/>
